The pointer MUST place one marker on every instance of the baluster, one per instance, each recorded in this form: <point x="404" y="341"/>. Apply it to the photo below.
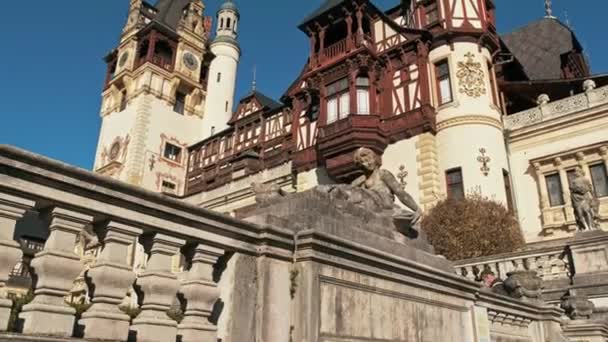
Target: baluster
<point x="200" y="292"/>
<point x="12" y="210"/>
<point x="159" y="287"/>
<point x="55" y="269"/>
<point x="112" y="277"/>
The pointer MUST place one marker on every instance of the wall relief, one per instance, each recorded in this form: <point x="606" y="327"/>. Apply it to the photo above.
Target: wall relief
<point x="471" y="78"/>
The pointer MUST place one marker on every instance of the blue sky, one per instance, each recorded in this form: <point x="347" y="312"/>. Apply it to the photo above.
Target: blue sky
<point x="52" y="70"/>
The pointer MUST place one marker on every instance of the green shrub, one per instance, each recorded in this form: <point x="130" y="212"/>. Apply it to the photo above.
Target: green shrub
<point x="471" y="228"/>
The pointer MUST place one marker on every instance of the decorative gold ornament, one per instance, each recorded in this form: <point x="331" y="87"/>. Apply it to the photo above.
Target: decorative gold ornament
<point x="484" y="160"/>
<point x="471" y="77"/>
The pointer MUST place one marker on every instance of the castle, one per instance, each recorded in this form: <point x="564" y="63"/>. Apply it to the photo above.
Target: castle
<point x="452" y="106"/>
<point x="168" y="218"/>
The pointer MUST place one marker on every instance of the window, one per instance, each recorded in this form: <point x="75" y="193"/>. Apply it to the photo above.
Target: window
<point x="432" y="13"/>
<point x="172" y="152"/>
<point x="219" y="77"/>
<point x="455" y="185"/>
<point x="221" y="23"/>
<point x="168" y="186"/>
<point x="554" y="188"/>
<point x="507" y="179"/>
<point x="599" y="178"/>
<point x="123" y="100"/>
<point x="338" y="100"/>
<point x="226" y="109"/>
<point x="180" y="102"/>
<point x="228" y="23"/>
<point x="362" y="95"/>
<point x="444" y="84"/>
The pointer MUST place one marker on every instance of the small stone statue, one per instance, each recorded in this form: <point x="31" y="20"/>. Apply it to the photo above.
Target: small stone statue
<point x="265" y="193"/>
<point x="383" y="188"/>
<point x="584" y="201"/>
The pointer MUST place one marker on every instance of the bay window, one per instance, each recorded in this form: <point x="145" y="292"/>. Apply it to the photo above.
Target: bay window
<point x="338" y="100"/>
<point x="362" y="95"/>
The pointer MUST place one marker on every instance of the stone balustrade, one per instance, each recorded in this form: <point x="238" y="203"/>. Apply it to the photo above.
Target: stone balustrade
<point x="546" y="110"/>
<point x="69" y="202"/>
<point x="550" y="264"/>
<point x="319" y="280"/>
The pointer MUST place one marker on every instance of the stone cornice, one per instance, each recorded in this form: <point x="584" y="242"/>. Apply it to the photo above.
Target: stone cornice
<point x="469" y="120"/>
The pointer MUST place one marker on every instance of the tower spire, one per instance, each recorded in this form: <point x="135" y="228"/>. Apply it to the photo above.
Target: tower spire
<point x="549" y="9"/>
<point x="254" y="82"/>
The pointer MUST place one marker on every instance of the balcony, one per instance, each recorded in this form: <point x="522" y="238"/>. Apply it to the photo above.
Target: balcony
<point x="338" y="140"/>
<point x="342" y="48"/>
<point x="164" y="63"/>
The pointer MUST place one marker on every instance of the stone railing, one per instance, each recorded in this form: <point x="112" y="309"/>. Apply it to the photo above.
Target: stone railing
<point x="70" y="202"/>
<point x="549" y="263"/>
<point x="576" y="262"/>
<point x="546" y="110"/>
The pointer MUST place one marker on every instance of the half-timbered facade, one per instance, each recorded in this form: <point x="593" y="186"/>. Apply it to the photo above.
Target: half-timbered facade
<point x="429" y="84"/>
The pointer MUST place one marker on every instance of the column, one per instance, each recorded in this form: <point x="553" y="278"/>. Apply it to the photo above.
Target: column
<point x="112" y="278"/>
<point x="151" y="46"/>
<point x="359" y="15"/>
<point x="353" y="71"/>
<point x="159" y="287"/>
<point x="200" y="293"/>
<point x="313" y="45"/>
<point x="321" y="45"/>
<point x="349" y="30"/>
<point x="55" y="268"/>
<point x="11" y="210"/>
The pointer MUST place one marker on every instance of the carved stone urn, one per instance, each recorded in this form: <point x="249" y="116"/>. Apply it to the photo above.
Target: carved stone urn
<point x="577" y="306"/>
<point x="524" y="285"/>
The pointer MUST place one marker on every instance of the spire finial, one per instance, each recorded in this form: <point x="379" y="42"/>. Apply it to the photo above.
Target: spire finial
<point x="254" y="83"/>
<point x="549" y="9"/>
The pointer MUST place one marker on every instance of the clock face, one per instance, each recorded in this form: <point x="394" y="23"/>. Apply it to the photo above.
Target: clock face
<point x="190" y="61"/>
<point x="123" y="59"/>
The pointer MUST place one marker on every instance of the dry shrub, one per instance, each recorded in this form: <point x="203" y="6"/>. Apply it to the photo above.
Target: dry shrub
<point x="471" y="228"/>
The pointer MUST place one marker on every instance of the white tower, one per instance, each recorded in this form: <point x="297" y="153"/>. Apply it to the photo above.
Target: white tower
<point x="222" y="71"/>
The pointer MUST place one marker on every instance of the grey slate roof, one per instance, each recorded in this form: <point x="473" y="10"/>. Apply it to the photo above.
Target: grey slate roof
<point x="265" y="101"/>
<point x="326" y="6"/>
<point x="170" y="11"/>
<point x="539" y="45"/>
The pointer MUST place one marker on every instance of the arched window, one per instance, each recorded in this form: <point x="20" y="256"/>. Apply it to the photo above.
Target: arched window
<point x="221" y="23"/>
<point x="228" y="24"/>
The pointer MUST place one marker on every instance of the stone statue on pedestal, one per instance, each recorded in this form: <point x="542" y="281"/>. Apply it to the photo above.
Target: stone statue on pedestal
<point x="383" y="187"/>
<point x="584" y="201"/>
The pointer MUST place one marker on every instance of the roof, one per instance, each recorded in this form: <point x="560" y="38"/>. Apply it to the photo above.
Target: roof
<point x="264" y="100"/>
<point x="170" y="11"/>
<point x="539" y="46"/>
<point x="229" y="5"/>
<point x="326" y="6"/>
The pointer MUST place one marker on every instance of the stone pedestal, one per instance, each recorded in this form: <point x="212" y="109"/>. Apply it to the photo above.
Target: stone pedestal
<point x="112" y="278"/>
<point x="11" y="210"/>
<point x="159" y="287"/>
<point x="200" y="292"/>
<point x="56" y="268"/>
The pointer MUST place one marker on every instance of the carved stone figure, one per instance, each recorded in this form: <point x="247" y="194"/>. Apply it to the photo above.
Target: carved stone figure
<point x="584" y="201"/>
<point x="525" y="285"/>
<point x="577" y="305"/>
<point x="382" y="187"/>
<point x="266" y="192"/>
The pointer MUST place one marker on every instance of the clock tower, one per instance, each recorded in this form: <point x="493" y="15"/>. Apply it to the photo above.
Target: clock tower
<point x="154" y="95"/>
